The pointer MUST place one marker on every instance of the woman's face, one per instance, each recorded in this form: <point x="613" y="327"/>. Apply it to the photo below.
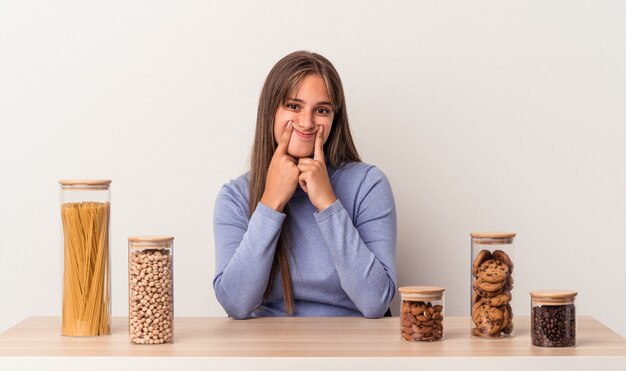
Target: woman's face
<point x="308" y="107"/>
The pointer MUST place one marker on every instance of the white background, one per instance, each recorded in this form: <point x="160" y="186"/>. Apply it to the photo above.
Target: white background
<point x="484" y="115"/>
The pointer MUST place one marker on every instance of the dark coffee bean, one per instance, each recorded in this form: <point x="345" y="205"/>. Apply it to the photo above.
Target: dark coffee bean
<point x="553" y="326"/>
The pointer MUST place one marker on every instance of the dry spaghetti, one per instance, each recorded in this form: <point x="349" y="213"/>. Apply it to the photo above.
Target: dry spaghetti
<point x="86" y="296"/>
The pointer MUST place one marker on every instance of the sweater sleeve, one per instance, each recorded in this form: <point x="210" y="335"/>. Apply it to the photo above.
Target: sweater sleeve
<point x="244" y="252"/>
<point x="364" y="250"/>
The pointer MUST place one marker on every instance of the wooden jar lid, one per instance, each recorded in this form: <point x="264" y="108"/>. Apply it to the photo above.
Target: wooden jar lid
<point x="150" y="238"/>
<point x="421" y="289"/>
<point x="422" y="292"/>
<point x="492" y="238"/>
<point x="85" y="184"/>
<point x="553" y="297"/>
<point x="142" y="242"/>
<point x="494" y="235"/>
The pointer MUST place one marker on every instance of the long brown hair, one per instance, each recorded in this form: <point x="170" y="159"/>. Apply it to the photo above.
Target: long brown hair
<point x="339" y="148"/>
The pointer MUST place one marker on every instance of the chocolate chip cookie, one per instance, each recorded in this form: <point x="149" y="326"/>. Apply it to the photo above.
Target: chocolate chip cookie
<point x="480" y="258"/>
<point x="493" y="271"/>
<point x="492" y="283"/>
<point x="504" y="258"/>
<point x="489" y="320"/>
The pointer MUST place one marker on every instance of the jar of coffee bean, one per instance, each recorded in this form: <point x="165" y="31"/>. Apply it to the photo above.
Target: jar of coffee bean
<point x="553" y="318"/>
<point x="150" y="290"/>
<point x="421" y="313"/>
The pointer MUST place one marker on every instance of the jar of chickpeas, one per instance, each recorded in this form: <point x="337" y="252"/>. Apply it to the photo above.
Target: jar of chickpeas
<point x="150" y="290"/>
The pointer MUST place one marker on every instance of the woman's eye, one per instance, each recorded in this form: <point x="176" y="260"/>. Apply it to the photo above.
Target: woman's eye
<point x="323" y="111"/>
<point x="292" y="106"/>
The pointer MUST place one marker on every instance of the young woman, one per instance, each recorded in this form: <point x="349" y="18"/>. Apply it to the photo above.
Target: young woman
<point x="310" y="230"/>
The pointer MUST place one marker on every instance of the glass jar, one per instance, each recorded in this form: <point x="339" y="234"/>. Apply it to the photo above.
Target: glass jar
<point x="553" y="318"/>
<point x="85" y="216"/>
<point x="421" y="313"/>
<point x="491" y="277"/>
<point x="151" y="290"/>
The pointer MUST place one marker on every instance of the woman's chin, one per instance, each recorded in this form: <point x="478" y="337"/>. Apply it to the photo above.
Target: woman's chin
<point x="299" y="152"/>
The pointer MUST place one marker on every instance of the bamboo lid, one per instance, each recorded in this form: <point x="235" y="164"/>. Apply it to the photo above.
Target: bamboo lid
<point x="141" y="242"/>
<point x="421" y="289"/>
<point x="150" y="238"/>
<point x="422" y="292"/>
<point x="492" y="238"/>
<point x="553" y="297"/>
<point x="85" y="184"/>
<point x="494" y="235"/>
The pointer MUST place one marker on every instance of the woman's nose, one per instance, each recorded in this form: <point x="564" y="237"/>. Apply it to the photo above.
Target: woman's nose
<point x="306" y="121"/>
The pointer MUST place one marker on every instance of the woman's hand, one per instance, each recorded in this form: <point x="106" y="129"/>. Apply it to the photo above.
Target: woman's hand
<point x="282" y="175"/>
<point x="313" y="177"/>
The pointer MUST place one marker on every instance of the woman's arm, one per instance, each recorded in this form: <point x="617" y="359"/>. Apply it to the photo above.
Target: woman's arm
<point x="244" y="251"/>
<point x="364" y="250"/>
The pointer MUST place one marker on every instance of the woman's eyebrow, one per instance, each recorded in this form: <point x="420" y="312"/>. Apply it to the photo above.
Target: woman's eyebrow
<point x="301" y="101"/>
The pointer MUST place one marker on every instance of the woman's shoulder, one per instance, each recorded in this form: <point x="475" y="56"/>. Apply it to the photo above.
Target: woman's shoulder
<point x="358" y="182"/>
<point x="358" y="171"/>
<point x="236" y="189"/>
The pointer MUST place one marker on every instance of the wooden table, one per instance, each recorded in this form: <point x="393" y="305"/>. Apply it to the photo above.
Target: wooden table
<point x="302" y="343"/>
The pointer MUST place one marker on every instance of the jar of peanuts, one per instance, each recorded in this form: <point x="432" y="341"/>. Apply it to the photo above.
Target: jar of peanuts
<point x="421" y="313"/>
<point x="553" y="318"/>
<point x="491" y="277"/>
<point x="150" y="290"/>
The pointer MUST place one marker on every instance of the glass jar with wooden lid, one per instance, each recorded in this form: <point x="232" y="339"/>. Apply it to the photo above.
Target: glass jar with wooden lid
<point x="491" y="284"/>
<point x="421" y="313"/>
<point x="85" y="217"/>
<point x="553" y="318"/>
<point x="151" y="289"/>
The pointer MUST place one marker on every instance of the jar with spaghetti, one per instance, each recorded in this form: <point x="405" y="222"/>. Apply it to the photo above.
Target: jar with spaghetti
<point x="85" y="216"/>
<point x="491" y="277"/>
<point x="553" y="318"/>
<point x="421" y="313"/>
<point x="151" y="290"/>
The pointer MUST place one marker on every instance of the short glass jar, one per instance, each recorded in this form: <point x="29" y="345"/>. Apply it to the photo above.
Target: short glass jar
<point x="553" y="318"/>
<point x="491" y="277"/>
<point x="421" y="313"/>
<point x="151" y="290"/>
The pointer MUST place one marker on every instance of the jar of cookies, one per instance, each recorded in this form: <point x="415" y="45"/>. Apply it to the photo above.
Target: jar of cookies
<point x="150" y="290"/>
<point x="421" y="313"/>
<point x="553" y="318"/>
<point x="85" y="217"/>
<point x="492" y="284"/>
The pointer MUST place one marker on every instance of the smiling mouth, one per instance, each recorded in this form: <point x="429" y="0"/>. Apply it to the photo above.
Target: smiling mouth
<point x="303" y="135"/>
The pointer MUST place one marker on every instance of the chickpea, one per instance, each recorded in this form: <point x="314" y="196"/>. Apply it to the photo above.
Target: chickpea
<point x="151" y="299"/>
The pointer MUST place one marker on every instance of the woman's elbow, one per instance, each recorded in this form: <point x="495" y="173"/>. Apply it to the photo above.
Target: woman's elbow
<point x="374" y="313"/>
<point x="378" y="308"/>
<point x="238" y="315"/>
<point x="375" y="310"/>
<point x="233" y="309"/>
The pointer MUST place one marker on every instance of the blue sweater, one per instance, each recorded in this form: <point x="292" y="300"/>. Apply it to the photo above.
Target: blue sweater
<point x="342" y="260"/>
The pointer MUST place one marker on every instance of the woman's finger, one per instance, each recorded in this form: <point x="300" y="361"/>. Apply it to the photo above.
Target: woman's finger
<point x="285" y="139"/>
<point x="302" y="182"/>
<point x="319" y="144"/>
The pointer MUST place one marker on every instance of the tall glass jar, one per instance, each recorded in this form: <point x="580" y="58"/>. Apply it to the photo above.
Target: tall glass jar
<point x="553" y="318"/>
<point x="151" y="290"/>
<point x="491" y="271"/>
<point x="421" y="313"/>
<point x="85" y="216"/>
